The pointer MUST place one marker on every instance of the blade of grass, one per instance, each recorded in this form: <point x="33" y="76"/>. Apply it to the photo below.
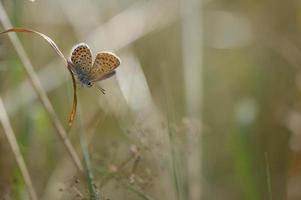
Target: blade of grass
<point x="269" y="182"/>
<point x="9" y="133"/>
<point x="139" y="193"/>
<point x="178" y="161"/>
<point x="191" y="14"/>
<point x="33" y="78"/>
<point x="175" y="157"/>
<point x="86" y="159"/>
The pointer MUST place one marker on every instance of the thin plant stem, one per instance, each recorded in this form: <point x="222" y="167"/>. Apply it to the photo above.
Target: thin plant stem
<point x="86" y="158"/>
<point x="269" y="182"/>
<point x="8" y="131"/>
<point x="191" y="15"/>
<point x="175" y="158"/>
<point x="139" y="193"/>
<point x="34" y="81"/>
<point x="111" y="175"/>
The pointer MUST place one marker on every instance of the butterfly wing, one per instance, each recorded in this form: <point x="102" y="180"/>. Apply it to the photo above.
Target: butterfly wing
<point x="81" y="58"/>
<point x="104" y="65"/>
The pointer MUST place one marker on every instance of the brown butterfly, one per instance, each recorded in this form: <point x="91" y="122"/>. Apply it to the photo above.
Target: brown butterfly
<point x="103" y="67"/>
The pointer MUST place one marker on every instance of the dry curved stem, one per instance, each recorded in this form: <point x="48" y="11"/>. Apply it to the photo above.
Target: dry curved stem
<point x="48" y="39"/>
<point x="35" y="82"/>
<point x="66" y="62"/>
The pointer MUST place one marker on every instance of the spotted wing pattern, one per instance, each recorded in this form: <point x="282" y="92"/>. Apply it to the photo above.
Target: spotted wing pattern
<point x="81" y="57"/>
<point x="104" y="63"/>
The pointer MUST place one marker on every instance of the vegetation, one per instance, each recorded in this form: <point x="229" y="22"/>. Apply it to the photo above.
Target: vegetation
<point x="205" y="104"/>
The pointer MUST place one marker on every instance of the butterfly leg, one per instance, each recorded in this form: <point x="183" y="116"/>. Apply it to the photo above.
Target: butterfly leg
<point x="102" y="90"/>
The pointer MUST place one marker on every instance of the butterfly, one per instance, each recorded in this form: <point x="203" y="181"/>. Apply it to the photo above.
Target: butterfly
<point x="103" y="66"/>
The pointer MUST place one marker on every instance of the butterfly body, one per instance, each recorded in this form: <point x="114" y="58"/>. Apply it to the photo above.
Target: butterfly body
<point x="103" y="66"/>
<point x="83" y="77"/>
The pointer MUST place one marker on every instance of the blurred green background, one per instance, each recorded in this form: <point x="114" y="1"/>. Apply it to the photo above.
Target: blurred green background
<point x="205" y="105"/>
